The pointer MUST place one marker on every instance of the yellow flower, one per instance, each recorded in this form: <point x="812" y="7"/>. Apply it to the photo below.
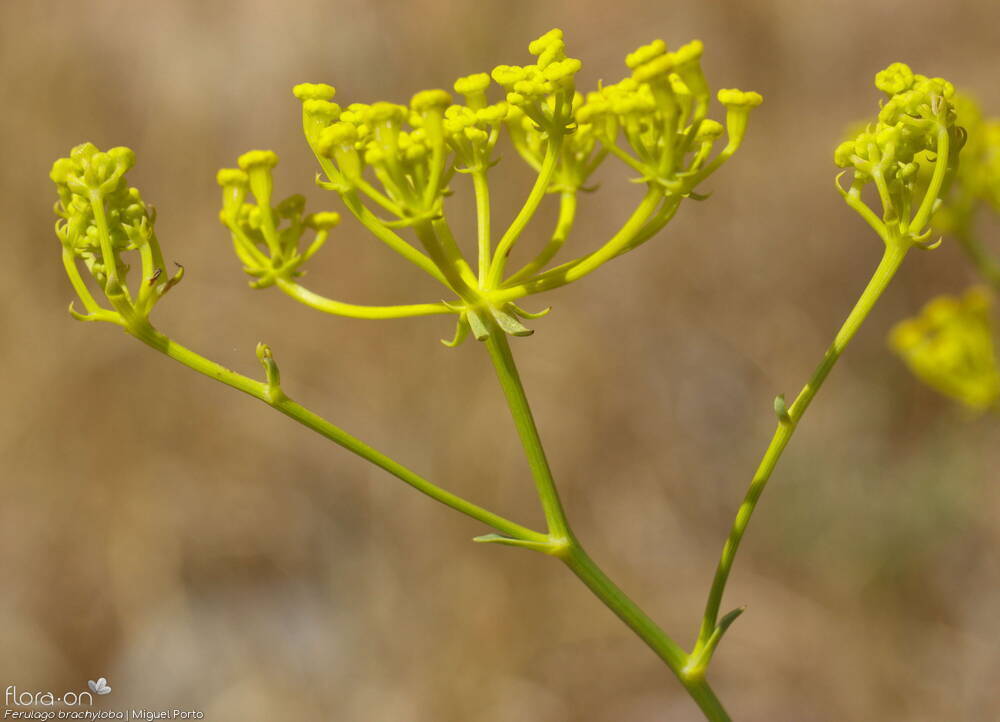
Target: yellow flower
<point x="949" y="346"/>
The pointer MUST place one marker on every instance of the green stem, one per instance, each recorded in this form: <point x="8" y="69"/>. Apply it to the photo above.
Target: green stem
<point x="510" y="382"/>
<point x="452" y="271"/>
<point x="653" y="226"/>
<point x="482" y="190"/>
<point x="387" y="236"/>
<point x="887" y="267"/>
<point x="506" y="243"/>
<point x="580" y="267"/>
<point x="69" y="263"/>
<point x="115" y="288"/>
<point x="453" y="253"/>
<point x="645" y="628"/>
<point x="266" y="393"/>
<point x="339" y="308"/>
<point x="563" y="544"/>
<point x="933" y="192"/>
<point x="564" y="224"/>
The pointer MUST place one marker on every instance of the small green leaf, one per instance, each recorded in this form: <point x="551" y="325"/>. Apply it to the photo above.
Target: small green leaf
<point x="510" y="324"/>
<point x="528" y="314"/>
<point x="781" y="409"/>
<point x="477" y="326"/>
<point x="545" y="547"/>
<point x="461" y="332"/>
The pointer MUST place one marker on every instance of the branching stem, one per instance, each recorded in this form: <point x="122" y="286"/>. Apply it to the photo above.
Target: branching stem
<point x="153" y="338"/>
<point x="887" y="267"/>
<point x="565" y="546"/>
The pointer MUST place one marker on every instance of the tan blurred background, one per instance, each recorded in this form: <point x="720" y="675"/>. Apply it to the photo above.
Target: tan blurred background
<point x="201" y="551"/>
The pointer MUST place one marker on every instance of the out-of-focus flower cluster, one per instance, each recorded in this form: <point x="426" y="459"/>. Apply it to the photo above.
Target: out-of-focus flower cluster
<point x="949" y="346"/>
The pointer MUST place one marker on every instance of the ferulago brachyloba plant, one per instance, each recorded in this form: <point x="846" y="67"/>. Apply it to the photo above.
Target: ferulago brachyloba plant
<point x="392" y="166"/>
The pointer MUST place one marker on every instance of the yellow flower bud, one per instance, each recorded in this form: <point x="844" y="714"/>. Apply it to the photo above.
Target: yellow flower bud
<point x="314" y="91"/>
<point x="645" y="53"/>
<point x="257" y="159"/>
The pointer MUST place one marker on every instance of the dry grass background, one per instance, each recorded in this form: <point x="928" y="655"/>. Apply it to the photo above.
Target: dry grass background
<point x="202" y="551"/>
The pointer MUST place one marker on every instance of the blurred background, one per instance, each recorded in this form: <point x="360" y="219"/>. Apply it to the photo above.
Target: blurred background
<point x="201" y="551"/>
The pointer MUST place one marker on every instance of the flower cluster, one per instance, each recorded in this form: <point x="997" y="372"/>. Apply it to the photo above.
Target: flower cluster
<point x="949" y="346"/>
<point x="915" y="128"/>
<point x="265" y="237"/>
<point x="393" y="164"/>
<point x="100" y="219"/>
<point x="661" y="111"/>
<point x="413" y="151"/>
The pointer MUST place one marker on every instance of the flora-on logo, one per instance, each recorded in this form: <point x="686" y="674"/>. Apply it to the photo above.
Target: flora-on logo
<point x="13" y="697"/>
<point x="100" y="686"/>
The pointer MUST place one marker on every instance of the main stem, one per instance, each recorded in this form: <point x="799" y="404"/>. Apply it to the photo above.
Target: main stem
<point x="510" y="382"/>
<point x="646" y="629"/>
<point x="887" y="267"/>
<point x="568" y="548"/>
